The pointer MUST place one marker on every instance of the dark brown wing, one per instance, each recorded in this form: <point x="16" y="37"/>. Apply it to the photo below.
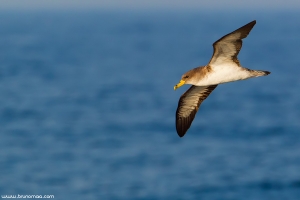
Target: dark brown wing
<point x="188" y="106"/>
<point x="228" y="47"/>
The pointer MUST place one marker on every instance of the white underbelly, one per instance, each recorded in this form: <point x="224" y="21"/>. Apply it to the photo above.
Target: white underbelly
<point x="224" y="74"/>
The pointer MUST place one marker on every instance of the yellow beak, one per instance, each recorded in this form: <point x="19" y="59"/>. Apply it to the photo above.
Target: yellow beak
<point x="179" y="84"/>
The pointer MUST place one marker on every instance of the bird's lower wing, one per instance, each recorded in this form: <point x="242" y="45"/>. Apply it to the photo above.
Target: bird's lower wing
<point x="188" y="106"/>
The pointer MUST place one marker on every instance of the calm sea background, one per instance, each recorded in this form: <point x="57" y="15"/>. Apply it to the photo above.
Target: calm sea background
<point x="87" y="107"/>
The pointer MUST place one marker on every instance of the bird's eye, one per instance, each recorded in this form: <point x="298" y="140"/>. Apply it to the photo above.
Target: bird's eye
<point x="186" y="77"/>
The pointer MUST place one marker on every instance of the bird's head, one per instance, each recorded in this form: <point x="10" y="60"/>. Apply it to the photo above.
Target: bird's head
<point x="187" y="78"/>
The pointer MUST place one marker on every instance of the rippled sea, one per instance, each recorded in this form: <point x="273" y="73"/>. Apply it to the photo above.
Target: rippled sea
<point x="87" y="107"/>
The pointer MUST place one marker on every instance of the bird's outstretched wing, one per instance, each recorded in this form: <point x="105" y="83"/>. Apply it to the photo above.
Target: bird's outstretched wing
<point x="228" y="47"/>
<point x="188" y="106"/>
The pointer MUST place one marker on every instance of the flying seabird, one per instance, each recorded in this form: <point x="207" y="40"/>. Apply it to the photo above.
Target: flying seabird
<point x="223" y="67"/>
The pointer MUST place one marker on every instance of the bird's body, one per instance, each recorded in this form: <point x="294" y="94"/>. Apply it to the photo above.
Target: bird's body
<point x="207" y="75"/>
<point x="223" y="67"/>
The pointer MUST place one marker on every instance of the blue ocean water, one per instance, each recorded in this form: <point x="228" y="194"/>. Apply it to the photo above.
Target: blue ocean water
<point x="87" y="107"/>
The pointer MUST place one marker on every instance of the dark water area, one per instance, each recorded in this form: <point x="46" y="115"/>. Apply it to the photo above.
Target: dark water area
<point x="87" y="107"/>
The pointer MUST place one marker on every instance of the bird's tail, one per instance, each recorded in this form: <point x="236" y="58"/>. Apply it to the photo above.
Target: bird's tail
<point x="260" y="73"/>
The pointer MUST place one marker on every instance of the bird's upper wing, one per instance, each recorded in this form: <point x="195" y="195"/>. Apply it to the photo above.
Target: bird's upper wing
<point x="228" y="47"/>
<point x="188" y="106"/>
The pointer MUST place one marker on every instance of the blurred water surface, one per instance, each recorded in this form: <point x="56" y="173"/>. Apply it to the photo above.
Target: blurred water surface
<point x="87" y="107"/>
